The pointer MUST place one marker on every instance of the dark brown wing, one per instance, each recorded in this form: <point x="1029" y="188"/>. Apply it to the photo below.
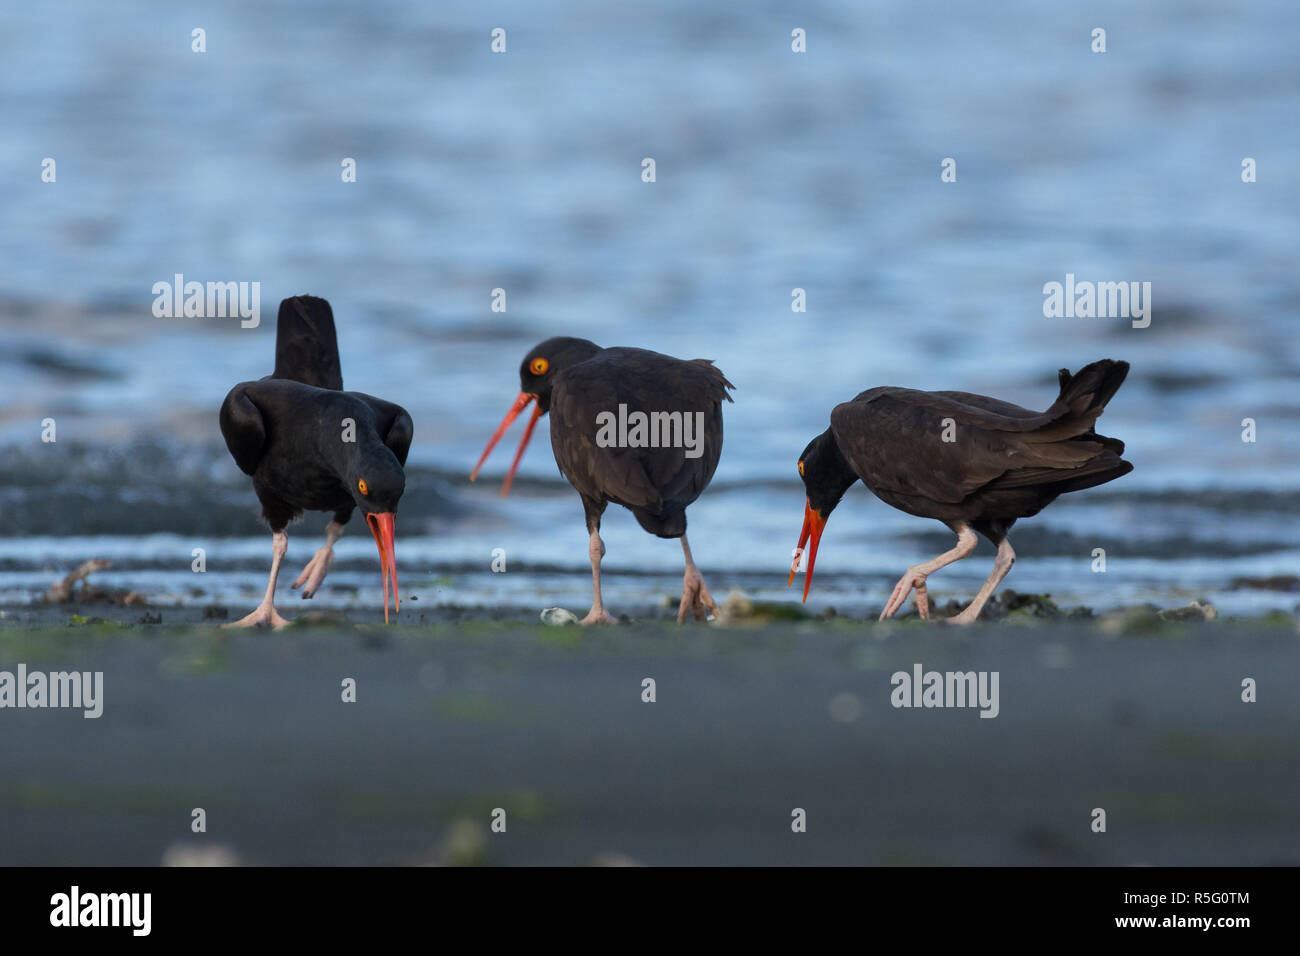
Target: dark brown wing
<point x="243" y="428"/>
<point x="393" y="424"/>
<point x="894" y="438"/>
<point x="306" y="346"/>
<point x="658" y="481"/>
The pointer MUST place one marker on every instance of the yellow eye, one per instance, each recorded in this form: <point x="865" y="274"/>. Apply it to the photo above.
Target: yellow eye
<point x="539" y="366"/>
<point x="800" y="469"/>
<point x="361" y="485"/>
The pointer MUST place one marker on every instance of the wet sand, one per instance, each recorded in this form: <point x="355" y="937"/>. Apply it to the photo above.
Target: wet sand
<point x="455" y="719"/>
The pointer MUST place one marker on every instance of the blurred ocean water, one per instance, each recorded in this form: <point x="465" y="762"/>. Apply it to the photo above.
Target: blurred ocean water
<point x="775" y="171"/>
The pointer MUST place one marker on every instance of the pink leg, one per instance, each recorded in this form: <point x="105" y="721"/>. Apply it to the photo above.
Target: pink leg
<point x="1001" y="565"/>
<point x="916" y="575"/>
<point x="265" y="613"/>
<point x="597" y="614"/>
<point x="320" y="564"/>
<point x="695" y="595"/>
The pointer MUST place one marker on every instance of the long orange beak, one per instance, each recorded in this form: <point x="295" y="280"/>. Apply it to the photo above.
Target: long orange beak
<point x="520" y="404"/>
<point x="813" y="525"/>
<point x="381" y="526"/>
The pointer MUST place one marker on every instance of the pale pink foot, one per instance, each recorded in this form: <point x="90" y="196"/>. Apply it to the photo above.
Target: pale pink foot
<point x="265" y="615"/>
<point x="914" y="578"/>
<point x="315" y="571"/>
<point x="696" y="598"/>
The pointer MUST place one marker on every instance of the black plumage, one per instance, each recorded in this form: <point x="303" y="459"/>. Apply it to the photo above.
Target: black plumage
<point x="577" y="381"/>
<point x="310" y="446"/>
<point x="306" y="345"/>
<point x="977" y="464"/>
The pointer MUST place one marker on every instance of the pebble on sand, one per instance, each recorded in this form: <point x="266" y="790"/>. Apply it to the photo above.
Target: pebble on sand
<point x="558" y="617"/>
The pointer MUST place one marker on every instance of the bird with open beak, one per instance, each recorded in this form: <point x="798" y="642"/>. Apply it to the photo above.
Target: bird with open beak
<point x="581" y="385"/>
<point x="310" y="446"/>
<point x="975" y="463"/>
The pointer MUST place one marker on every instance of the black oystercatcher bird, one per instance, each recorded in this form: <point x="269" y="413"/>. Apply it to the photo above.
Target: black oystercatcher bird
<point x="310" y="446"/>
<point x="975" y="463"/>
<point x="637" y="428"/>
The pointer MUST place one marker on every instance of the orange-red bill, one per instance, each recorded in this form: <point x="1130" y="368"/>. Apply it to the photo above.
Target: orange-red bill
<point x="381" y="526"/>
<point x="523" y="443"/>
<point x="813" y="525"/>
<point x="520" y="404"/>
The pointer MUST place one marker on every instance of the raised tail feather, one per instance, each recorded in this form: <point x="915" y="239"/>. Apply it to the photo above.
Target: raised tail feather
<point x="1067" y="454"/>
<point x="306" y="346"/>
<point x="1082" y="400"/>
<point x="1093" y="385"/>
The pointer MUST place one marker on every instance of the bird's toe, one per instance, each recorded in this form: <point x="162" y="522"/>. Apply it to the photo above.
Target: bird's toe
<point x="302" y="578"/>
<point x="265" y="616"/>
<point x="922" y="599"/>
<point x="696" y="599"/>
<point x="909" y="581"/>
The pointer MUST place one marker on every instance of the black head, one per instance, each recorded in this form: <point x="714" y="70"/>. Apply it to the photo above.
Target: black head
<point x="375" y="478"/>
<point x="536" y="380"/>
<point x="540" y="366"/>
<point x="826" y="475"/>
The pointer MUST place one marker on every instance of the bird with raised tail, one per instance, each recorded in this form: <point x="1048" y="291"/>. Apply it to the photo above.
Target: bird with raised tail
<point x="975" y="463"/>
<point x="310" y="446"/>
<point x="628" y="426"/>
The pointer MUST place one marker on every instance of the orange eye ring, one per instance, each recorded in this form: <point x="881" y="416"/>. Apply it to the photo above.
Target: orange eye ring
<point x="538" y="366"/>
<point x="362" y="487"/>
<point x="800" y="469"/>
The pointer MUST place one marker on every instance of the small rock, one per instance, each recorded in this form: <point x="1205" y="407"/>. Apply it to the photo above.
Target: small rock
<point x="736" y="607"/>
<point x="558" y="617"/>
<point x="215" y="612"/>
<point x="1196" y="611"/>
